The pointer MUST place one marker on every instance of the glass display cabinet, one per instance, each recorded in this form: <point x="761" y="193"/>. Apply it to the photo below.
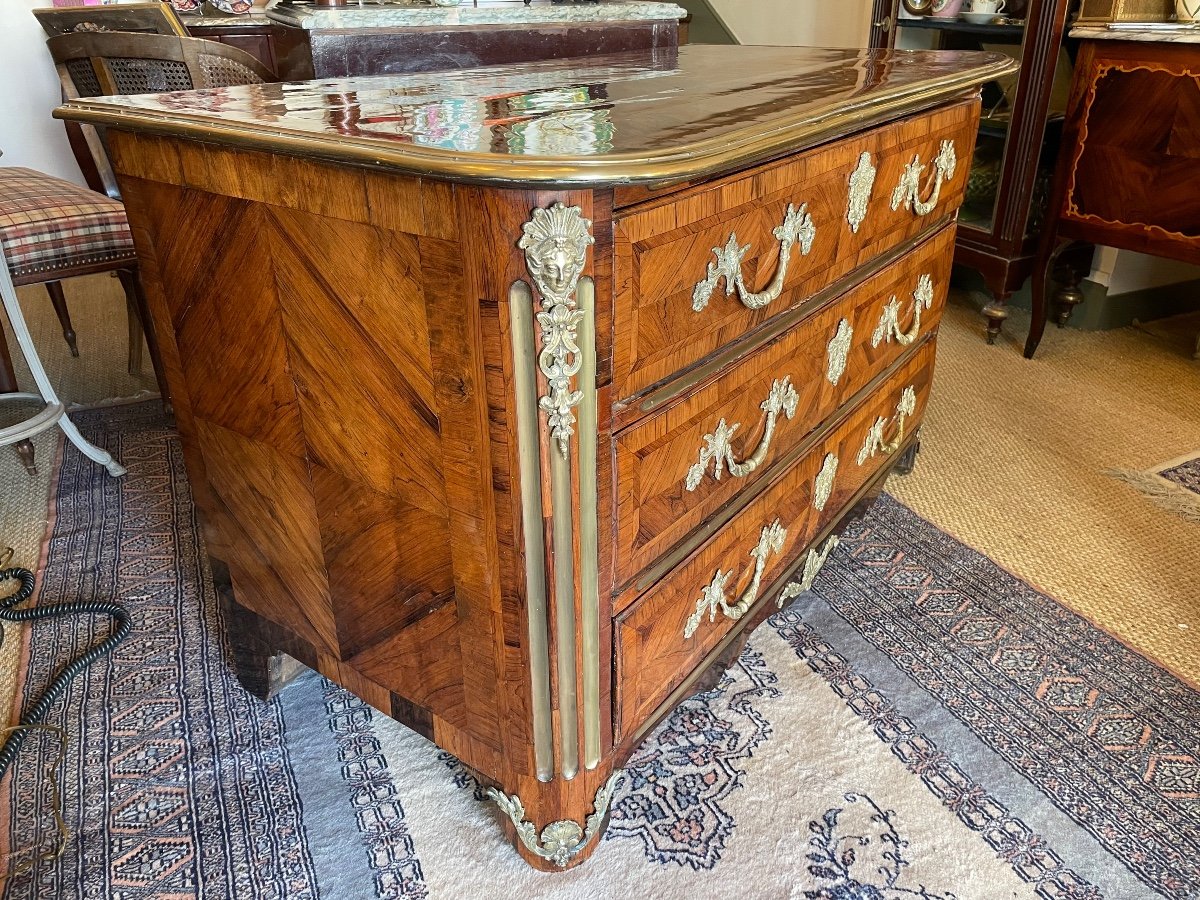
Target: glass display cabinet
<point x="1018" y="133"/>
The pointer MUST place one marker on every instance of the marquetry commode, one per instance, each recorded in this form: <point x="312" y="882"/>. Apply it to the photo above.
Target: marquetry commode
<point x="511" y="400"/>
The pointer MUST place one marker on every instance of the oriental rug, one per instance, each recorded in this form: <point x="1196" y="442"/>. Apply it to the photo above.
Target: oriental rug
<point x="1174" y="485"/>
<point x="920" y="724"/>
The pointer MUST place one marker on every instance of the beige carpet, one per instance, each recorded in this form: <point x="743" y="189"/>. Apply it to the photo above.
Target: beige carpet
<point x="97" y="306"/>
<point x="1013" y="463"/>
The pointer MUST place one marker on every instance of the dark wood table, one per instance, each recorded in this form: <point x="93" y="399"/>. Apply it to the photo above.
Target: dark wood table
<point x="1128" y="171"/>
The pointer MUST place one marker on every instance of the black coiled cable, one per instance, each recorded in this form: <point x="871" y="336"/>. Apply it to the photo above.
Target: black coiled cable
<point x="35" y="713"/>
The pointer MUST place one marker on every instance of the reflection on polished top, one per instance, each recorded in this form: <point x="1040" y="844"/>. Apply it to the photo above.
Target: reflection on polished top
<point x="638" y="117"/>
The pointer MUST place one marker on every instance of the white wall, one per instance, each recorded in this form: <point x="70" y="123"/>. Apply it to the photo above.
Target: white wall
<point x="803" y="23"/>
<point x="28" y="134"/>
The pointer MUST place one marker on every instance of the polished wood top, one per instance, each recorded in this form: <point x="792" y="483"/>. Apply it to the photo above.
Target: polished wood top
<point x="641" y="117"/>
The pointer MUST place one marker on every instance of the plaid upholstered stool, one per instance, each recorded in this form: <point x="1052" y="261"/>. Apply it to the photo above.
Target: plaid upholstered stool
<point x="51" y="229"/>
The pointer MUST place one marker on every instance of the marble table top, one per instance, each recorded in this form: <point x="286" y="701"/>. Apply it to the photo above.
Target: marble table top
<point x="249" y="20"/>
<point x="1183" y="34"/>
<point x="375" y="14"/>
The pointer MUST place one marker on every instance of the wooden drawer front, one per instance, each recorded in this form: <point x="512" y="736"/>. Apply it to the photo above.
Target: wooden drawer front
<point x="656" y="644"/>
<point x="668" y="320"/>
<point x="674" y="468"/>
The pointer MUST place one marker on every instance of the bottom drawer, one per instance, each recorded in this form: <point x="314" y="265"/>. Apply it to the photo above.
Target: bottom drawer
<point x="677" y="622"/>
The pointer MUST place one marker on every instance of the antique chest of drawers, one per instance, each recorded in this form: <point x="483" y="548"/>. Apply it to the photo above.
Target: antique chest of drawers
<point x="511" y="401"/>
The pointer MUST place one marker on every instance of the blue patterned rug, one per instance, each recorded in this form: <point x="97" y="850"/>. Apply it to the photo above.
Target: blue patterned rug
<point x="921" y="724"/>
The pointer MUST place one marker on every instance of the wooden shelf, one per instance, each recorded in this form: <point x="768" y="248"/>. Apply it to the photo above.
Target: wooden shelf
<point x="1001" y="33"/>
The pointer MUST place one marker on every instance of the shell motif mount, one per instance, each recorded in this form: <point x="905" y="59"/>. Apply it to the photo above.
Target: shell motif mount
<point x="889" y="321"/>
<point x="797" y="227"/>
<point x="718" y="448"/>
<point x="556" y="242"/>
<point x="559" y="841"/>
<point x="908" y="191"/>
<point x="862" y="182"/>
<point x="713" y="598"/>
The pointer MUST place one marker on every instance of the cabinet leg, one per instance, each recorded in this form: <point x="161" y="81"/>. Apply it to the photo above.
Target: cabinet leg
<point x="908" y="459"/>
<point x="260" y="668"/>
<point x="1068" y="295"/>
<point x="995" y="313"/>
<point x="557" y="825"/>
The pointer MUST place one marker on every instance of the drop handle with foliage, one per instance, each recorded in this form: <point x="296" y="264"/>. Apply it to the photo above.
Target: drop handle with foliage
<point x="797" y="227"/>
<point x="714" y="599"/>
<point x="875" y="441"/>
<point x="908" y="191"/>
<point x="889" y="320"/>
<point x="718" y="448"/>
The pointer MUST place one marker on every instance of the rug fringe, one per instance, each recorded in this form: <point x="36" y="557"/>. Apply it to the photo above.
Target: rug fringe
<point x="1163" y="493"/>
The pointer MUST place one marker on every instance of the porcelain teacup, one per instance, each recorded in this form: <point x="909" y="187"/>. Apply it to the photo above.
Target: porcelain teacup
<point x="945" y="9"/>
<point x="990" y="7"/>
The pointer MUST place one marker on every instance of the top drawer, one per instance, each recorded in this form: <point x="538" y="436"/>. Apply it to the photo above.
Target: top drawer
<point x="789" y="228"/>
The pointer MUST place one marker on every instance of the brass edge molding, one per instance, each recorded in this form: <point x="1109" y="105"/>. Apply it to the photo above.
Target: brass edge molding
<point x="559" y="841"/>
<point x="662" y="393"/>
<point x="556" y="241"/>
<point x="589" y="538"/>
<point x="697" y="160"/>
<point x="521" y="302"/>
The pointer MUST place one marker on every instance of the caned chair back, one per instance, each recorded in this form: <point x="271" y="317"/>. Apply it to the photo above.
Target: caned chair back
<point x="106" y="63"/>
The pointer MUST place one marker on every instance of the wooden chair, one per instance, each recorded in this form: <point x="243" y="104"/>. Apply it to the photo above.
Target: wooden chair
<point x="52" y="229"/>
<point x="104" y="63"/>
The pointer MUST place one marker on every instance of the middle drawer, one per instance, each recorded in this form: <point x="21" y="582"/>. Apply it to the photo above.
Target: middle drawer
<point x="679" y="466"/>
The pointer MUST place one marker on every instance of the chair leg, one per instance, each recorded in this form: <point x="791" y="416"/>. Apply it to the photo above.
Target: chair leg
<point x="59" y="301"/>
<point x="8" y="385"/>
<point x="25" y="451"/>
<point x="1042" y="268"/>
<point x="136" y="298"/>
<point x="136" y="333"/>
<point x="8" y="296"/>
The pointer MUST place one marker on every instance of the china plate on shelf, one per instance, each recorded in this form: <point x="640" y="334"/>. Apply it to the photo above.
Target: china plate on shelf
<point x="979" y="18"/>
<point x="185" y="5"/>
<point x="233" y="7"/>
